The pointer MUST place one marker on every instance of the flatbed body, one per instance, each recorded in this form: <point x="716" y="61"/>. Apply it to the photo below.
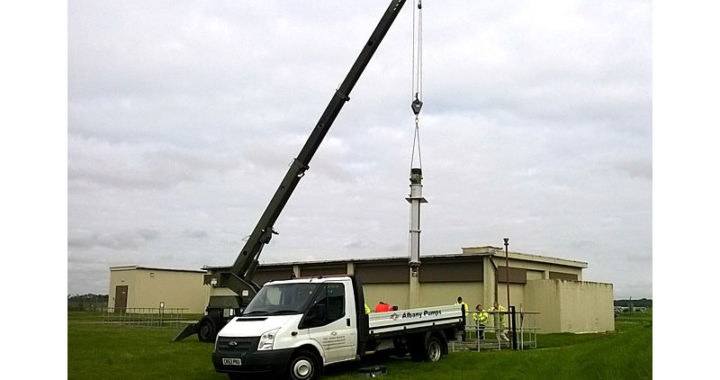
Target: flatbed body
<point x="398" y="322"/>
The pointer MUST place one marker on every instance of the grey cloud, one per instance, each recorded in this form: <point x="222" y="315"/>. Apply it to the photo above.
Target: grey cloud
<point x="141" y="166"/>
<point x="636" y="168"/>
<point x="360" y="244"/>
<point x="86" y="240"/>
<point x="195" y="234"/>
<point x="183" y="117"/>
<point x="148" y="234"/>
<point x="583" y="244"/>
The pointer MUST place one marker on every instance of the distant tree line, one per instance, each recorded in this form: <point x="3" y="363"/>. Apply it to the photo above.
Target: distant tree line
<point x="87" y="302"/>
<point x="642" y="302"/>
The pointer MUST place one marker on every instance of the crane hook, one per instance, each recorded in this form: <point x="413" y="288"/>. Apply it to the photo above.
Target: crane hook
<point x="416" y="105"/>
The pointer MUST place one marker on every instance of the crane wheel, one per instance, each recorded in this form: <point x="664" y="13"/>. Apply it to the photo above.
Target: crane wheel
<point x="207" y="331"/>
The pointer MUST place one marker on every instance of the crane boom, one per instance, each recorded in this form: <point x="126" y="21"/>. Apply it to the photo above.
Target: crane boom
<point x="239" y="278"/>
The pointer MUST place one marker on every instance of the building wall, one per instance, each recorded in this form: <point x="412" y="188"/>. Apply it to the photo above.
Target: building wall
<point x="446" y="293"/>
<point x="586" y="306"/>
<point x="542" y="269"/>
<point x="551" y="286"/>
<point x="391" y="294"/>
<point x="122" y="278"/>
<point x="517" y="295"/>
<point x="542" y="296"/>
<point x="147" y="288"/>
<point x="570" y="306"/>
<point x="535" y="275"/>
<point x="175" y="289"/>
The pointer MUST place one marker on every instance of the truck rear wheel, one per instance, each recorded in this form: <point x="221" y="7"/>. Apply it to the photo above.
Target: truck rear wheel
<point x="304" y="366"/>
<point x="431" y="351"/>
<point x="434" y="349"/>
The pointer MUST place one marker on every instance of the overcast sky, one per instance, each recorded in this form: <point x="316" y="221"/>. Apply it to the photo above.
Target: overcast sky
<point x="184" y="116"/>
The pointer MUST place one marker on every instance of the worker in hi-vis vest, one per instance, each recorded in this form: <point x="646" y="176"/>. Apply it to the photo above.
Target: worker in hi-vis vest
<point x="480" y="316"/>
<point x="367" y="309"/>
<point x="465" y="308"/>
<point x="500" y="323"/>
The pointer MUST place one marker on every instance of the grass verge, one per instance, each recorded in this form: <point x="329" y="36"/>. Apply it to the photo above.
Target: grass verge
<point x="98" y="351"/>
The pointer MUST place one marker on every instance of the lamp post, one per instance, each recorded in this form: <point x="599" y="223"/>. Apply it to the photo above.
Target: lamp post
<point x="507" y="272"/>
<point x="507" y="283"/>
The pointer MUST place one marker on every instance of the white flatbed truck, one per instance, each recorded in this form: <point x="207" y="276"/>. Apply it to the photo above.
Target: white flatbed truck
<point x="293" y="328"/>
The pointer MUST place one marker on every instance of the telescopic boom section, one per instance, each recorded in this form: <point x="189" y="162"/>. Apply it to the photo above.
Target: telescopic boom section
<point x="240" y="276"/>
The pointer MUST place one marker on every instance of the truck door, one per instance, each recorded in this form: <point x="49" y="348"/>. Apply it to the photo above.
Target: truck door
<point x="330" y="323"/>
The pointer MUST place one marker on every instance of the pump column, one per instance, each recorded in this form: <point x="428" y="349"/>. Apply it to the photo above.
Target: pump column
<point x="415" y="199"/>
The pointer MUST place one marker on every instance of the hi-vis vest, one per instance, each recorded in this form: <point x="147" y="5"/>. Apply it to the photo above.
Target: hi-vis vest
<point x="467" y="311"/>
<point x="480" y="317"/>
<point x="502" y="316"/>
<point x="367" y="309"/>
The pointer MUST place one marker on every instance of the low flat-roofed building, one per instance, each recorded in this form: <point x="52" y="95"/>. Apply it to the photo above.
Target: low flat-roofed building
<point x="550" y="286"/>
<point x="135" y="287"/>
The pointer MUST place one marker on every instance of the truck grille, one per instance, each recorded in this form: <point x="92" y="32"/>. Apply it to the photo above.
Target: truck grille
<point x="237" y="345"/>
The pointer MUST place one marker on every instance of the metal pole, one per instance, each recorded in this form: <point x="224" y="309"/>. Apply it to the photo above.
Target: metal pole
<point x="507" y="276"/>
<point x="415" y="199"/>
<point x="514" y="330"/>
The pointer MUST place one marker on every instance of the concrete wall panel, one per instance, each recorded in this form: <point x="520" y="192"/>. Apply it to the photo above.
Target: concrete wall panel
<point x="571" y="306"/>
<point x="517" y="295"/>
<point x="586" y="306"/>
<point x="391" y="294"/>
<point x="446" y="293"/>
<point x="542" y="296"/>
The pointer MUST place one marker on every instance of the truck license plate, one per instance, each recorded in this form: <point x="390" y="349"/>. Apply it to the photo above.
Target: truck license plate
<point x="232" y="361"/>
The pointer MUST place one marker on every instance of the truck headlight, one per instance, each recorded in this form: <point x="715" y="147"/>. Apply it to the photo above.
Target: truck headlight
<point x="267" y="340"/>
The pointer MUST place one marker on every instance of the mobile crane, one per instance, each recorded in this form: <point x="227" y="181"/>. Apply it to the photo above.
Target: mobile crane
<point x="294" y="328"/>
<point x="239" y="279"/>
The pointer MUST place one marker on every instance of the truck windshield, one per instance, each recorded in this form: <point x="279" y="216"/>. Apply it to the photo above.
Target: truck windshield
<point x="281" y="299"/>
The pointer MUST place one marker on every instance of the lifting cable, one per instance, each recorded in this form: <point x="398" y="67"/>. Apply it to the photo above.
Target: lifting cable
<point x="416" y="93"/>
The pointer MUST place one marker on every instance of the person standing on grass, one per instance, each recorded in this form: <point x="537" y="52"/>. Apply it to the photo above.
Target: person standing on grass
<point x="500" y="326"/>
<point x="480" y="316"/>
<point x="464" y="305"/>
<point x="465" y="310"/>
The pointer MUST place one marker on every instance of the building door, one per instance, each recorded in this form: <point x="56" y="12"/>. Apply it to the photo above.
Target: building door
<point x="121" y="293"/>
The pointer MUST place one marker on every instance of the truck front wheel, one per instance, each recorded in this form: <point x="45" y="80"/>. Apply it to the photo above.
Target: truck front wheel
<point x="304" y="366"/>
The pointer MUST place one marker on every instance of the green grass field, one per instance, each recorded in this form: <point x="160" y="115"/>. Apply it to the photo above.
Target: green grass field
<point x="98" y="351"/>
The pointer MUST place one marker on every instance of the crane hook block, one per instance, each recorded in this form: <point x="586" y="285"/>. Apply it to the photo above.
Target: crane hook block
<point x="416" y="106"/>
